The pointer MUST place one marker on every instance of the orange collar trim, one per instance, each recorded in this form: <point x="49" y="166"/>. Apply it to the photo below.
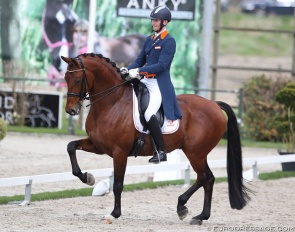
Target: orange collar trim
<point x="164" y="34"/>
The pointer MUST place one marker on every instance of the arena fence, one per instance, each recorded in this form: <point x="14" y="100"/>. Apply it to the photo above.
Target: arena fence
<point x="109" y="172"/>
<point x="217" y="29"/>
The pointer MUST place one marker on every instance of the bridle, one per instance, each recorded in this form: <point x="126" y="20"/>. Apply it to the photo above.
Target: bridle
<point x="83" y="93"/>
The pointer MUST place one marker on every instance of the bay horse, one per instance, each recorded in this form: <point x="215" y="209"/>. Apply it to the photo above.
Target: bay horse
<point x="110" y="129"/>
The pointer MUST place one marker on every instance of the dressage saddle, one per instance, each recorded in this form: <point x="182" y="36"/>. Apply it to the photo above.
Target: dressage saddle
<point x="143" y="97"/>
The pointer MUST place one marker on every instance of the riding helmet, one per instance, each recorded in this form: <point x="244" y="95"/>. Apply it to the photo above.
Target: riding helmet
<point x="161" y="12"/>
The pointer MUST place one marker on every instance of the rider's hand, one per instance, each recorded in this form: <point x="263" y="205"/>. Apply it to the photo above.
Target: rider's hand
<point x="134" y="73"/>
<point x="124" y="70"/>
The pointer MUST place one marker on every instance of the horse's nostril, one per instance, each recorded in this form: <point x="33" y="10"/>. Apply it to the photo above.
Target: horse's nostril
<point x="71" y="112"/>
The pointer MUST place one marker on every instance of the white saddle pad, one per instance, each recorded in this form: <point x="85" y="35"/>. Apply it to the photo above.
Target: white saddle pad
<point x="169" y="126"/>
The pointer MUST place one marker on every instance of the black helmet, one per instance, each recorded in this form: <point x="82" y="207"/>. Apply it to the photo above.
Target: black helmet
<point x="161" y="12"/>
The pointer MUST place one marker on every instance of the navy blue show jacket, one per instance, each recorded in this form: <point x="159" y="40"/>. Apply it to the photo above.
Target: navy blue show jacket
<point x="154" y="61"/>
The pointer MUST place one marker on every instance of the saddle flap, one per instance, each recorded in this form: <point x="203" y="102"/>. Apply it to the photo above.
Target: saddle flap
<point x="143" y="97"/>
<point x="169" y="126"/>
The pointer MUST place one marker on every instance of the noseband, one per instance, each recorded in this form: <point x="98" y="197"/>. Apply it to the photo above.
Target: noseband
<point x="83" y="93"/>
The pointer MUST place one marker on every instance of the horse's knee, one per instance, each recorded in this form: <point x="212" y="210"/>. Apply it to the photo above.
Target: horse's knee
<point x="71" y="147"/>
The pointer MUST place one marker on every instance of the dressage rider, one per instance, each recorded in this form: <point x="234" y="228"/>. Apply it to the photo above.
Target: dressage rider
<point x="153" y="63"/>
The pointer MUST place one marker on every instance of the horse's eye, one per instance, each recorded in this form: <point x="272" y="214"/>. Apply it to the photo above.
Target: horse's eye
<point x="77" y="82"/>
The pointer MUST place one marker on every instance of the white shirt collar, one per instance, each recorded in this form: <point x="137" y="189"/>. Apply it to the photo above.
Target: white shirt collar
<point x="157" y="34"/>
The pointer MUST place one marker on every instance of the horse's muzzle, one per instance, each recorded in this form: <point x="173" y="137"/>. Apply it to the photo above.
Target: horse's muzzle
<point x="74" y="111"/>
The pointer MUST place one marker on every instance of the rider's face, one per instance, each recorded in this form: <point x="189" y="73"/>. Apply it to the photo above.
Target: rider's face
<point x="80" y="38"/>
<point x="156" y="23"/>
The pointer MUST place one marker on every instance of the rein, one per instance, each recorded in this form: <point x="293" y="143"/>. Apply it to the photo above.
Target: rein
<point x="112" y="89"/>
<point x="83" y="94"/>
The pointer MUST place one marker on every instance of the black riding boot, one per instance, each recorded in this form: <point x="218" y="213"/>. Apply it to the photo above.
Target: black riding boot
<point x="156" y="133"/>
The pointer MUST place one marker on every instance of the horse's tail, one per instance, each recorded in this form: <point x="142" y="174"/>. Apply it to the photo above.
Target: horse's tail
<point x="238" y="193"/>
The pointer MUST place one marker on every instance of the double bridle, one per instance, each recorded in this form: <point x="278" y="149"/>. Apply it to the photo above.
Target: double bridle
<point x="83" y="93"/>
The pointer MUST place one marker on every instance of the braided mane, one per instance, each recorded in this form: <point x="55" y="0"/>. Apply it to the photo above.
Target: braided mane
<point x="106" y="59"/>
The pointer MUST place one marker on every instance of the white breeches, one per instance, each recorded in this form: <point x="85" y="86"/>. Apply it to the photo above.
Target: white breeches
<point x="155" y="97"/>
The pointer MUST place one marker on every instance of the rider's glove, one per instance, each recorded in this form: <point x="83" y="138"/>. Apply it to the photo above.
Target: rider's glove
<point x="134" y="73"/>
<point x="124" y="70"/>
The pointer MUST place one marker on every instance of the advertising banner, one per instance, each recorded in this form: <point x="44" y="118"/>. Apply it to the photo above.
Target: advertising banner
<point x="44" y="30"/>
<point x="35" y="34"/>
<point x="41" y="109"/>
<point x="181" y="10"/>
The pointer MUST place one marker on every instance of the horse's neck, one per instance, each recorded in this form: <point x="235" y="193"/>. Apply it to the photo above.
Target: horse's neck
<point x="109" y="105"/>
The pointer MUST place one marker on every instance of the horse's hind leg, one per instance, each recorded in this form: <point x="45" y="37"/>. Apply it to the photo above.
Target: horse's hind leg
<point x="205" y="179"/>
<point x="208" y="183"/>
<point x="86" y="145"/>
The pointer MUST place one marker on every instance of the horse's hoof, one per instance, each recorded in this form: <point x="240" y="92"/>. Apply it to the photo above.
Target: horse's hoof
<point x="107" y="219"/>
<point x="182" y="214"/>
<point x="196" y="221"/>
<point x="90" y="179"/>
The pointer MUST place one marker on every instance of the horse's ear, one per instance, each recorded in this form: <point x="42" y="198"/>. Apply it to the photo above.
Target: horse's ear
<point x="74" y="61"/>
<point x="66" y="59"/>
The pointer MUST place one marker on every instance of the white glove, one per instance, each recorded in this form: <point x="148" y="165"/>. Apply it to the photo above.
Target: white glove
<point x="124" y="70"/>
<point x="134" y="73"/>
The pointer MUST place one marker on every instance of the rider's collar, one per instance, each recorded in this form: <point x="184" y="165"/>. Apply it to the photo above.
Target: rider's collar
<point x="162" y="34"/>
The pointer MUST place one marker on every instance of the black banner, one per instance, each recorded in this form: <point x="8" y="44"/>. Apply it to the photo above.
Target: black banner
<point x="180" y="9"/>
<point x="41" y="110"/>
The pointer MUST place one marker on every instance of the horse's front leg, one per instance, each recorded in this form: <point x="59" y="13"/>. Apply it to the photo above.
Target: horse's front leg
<point x="85" y="145"/>
<point x="120" y="163"/>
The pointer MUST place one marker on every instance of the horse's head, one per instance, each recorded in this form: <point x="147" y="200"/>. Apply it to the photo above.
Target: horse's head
<point x="82" y="73"/>
<point x="77" y="84"/>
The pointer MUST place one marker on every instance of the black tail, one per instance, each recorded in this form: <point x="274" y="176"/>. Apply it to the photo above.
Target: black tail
<point x="238" y="193"/>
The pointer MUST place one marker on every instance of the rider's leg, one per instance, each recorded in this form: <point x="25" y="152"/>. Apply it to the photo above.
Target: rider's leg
<point x="156" y="133"/>
<point x="152" y="122"/>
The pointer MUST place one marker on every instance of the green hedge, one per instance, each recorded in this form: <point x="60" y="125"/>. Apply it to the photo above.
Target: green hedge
<point x="261" y="108"/>
<point x="3" y="129"/>
<point x="286" y="122"/>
